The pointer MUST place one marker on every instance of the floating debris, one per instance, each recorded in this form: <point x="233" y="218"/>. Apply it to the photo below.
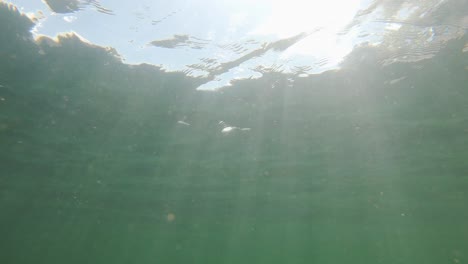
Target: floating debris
<point x="170" y="217"/>
<point x="183" y="123"/>
<point x="178" y="41"/>
<point x="228" y="129"/>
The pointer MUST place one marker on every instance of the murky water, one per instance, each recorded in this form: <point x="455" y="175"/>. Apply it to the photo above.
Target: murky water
<point x="107" y="162"/>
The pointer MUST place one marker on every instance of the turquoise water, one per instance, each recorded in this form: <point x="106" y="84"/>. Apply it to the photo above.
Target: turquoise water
<point x="105" y="162"/>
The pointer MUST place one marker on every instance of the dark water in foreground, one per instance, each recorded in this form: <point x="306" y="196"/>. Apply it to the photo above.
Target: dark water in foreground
<point x="103" y="162"/>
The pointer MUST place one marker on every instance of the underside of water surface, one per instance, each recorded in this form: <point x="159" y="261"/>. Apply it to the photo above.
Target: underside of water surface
<point x="103" y="161"/>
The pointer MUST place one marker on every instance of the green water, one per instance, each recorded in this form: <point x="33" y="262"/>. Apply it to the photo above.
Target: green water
<point x="341" y="167"/>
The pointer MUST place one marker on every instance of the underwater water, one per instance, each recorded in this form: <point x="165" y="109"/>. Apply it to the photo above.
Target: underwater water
<point x="107" y="162"/>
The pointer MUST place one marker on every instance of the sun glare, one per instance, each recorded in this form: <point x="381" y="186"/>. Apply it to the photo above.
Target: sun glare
<point x="322" y="19"/>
